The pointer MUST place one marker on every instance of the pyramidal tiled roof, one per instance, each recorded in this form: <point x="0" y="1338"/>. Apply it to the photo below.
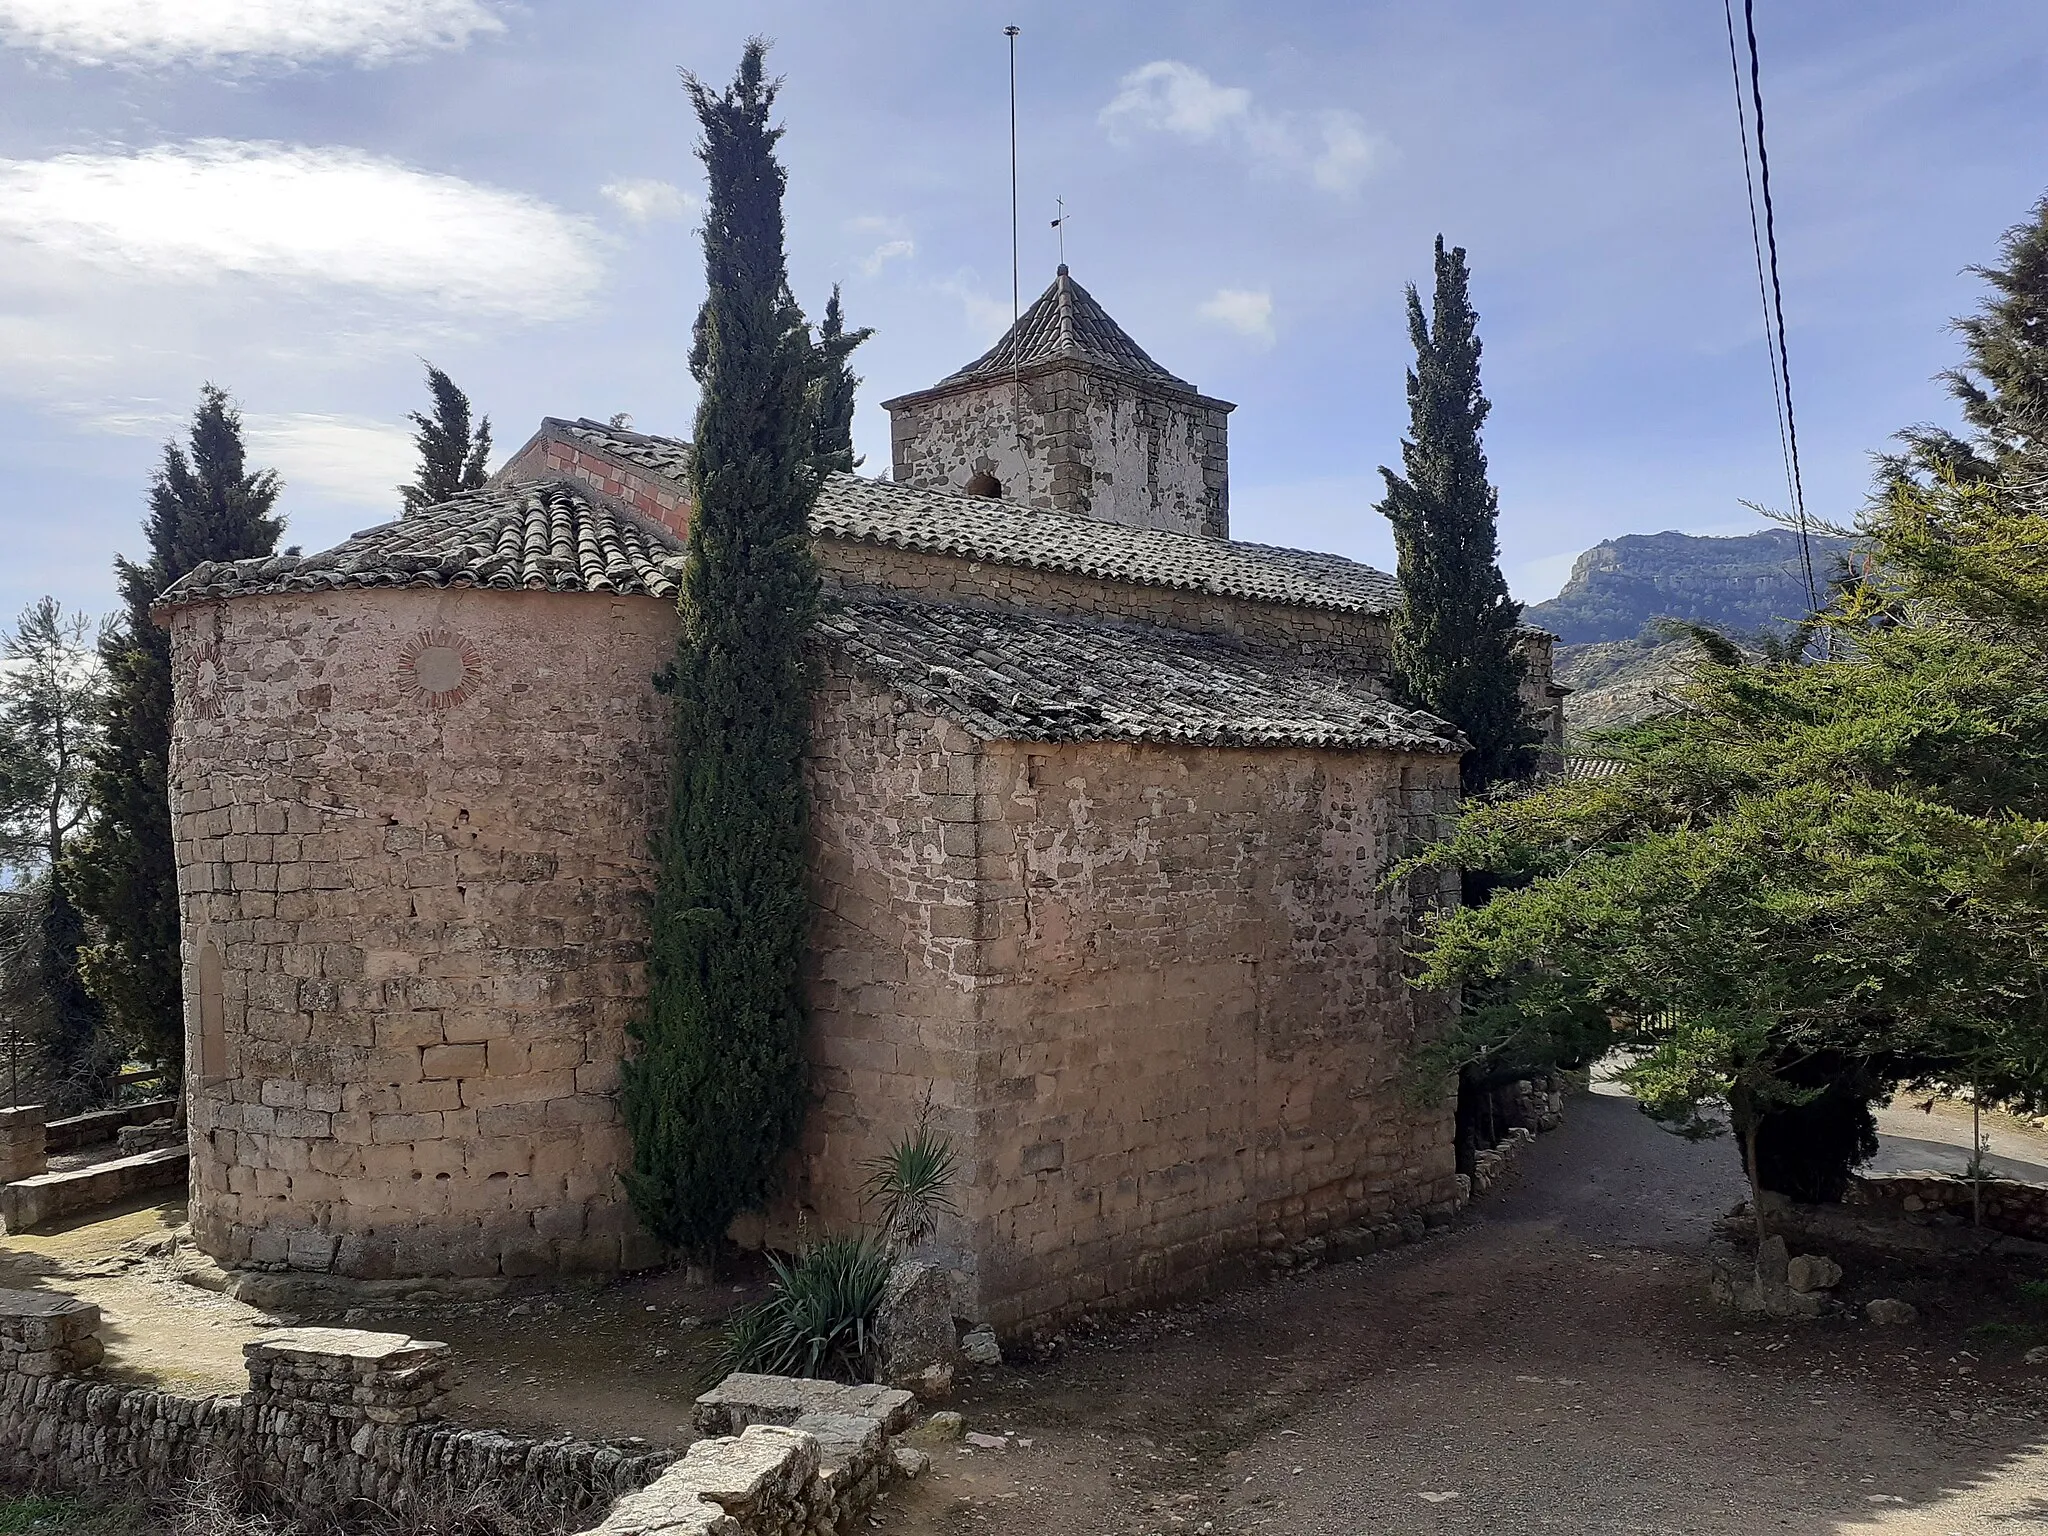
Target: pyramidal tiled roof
<point x="536" y="536"/>
<point x="1008" y="675"/>
<point x="1065" y="325"/>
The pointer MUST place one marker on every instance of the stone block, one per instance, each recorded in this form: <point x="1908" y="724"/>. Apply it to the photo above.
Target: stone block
<point x="915" y="1325"/>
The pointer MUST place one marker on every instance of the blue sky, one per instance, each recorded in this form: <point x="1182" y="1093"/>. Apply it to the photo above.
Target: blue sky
<point x="301" y="198"/>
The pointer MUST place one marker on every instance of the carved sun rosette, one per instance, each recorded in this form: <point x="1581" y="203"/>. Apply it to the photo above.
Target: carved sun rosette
<point x="204" y="694"/>
<point x="439" y="668"/>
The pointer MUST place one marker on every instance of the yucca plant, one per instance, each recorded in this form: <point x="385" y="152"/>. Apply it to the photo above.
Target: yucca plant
<point x="911" y="1182"/>
<point x="818" y="1319"/>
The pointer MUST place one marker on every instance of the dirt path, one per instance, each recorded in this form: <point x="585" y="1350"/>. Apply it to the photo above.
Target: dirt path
<point x="1546" y="1365"/>
<point x="1915" y="1134"/>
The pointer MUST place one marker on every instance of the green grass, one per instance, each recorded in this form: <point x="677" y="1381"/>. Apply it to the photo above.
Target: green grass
<point x="61" y="1516"/>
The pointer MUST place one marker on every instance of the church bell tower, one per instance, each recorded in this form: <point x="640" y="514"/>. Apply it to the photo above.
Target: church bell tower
<point x="1068" y="413"/>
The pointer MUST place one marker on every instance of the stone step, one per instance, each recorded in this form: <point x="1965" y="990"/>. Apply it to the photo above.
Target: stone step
<point x="29" y="1203"/>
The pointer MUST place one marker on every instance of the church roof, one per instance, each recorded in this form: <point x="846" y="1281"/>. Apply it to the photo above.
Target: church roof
<point x="664" y="455"/>
<point x="551" y="536"/>
<point x="1065" y="325"/>
<point x="1002" y="532"/>
<point x="1009" y="675"/>
<point x="533" y="536"/>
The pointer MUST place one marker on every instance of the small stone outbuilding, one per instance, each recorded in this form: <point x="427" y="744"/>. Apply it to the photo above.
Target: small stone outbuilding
<point x="1102" y="800"/>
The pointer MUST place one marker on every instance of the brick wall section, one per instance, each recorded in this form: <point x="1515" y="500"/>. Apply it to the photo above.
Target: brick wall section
<point x="1349" y="642"/>
<point x="428" y="926"/>
<point x="1093" y="444"/>
<point x="653" y="496"/>
<point x="1155" y="992"/>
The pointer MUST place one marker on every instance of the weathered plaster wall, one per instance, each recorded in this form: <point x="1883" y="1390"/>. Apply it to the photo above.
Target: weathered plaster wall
<point x="1156" y="992"/>
<point x="1092" y="444"/>
<point x="1352" y="643"/>
<point x="412" y="831"/>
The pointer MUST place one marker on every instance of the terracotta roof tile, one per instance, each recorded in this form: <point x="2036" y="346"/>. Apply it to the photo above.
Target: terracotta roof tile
<point x="539" y="536"/>
<point x="1065" y="325"/>
<point x="1015" y="676"/>
<point x="943" y="522"/>
<point x="666" y="456"/>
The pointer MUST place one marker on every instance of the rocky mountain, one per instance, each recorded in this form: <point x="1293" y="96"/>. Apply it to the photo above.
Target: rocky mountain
<point x="1611" y="654"/>
<point x="1739" y="585"/>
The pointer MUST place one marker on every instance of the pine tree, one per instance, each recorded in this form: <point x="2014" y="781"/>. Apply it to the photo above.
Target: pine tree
<point x="715" y="1093"/>
<point x="205" y="506"/>
<point x="833" y="397"/>
<point x="51" y="697"/>
<point x="1454" y="635"/>
<point x="452" y="458"/>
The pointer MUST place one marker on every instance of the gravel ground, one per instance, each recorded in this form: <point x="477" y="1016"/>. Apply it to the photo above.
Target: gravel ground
<point x="1547" y="1364"/>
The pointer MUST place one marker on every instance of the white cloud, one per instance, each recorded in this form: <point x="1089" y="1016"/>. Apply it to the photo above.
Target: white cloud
<point x="1247" y="311"/>
<point x="1349" y="153"/>
<point x="241" y="33"/>
<point x="1167" y="96"/>
<point x="987" y="317"/>
<point x="644" y="200"/>
<point x="886" y="252"/>
<point x="347" y="458"/>
<point x="893" y="241"/>
<point x="1332" y="148"/>
<point x="196" y="213"/>
<point x="1538" y="580"/>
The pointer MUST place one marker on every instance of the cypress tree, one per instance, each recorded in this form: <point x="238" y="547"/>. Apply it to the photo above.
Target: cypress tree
<point x="714" y="1095"/>
<point x="452" y="457"/>
<point x="1453" y="637"/>
<point x="833" y="395"/>
<point x="205" y="506"/>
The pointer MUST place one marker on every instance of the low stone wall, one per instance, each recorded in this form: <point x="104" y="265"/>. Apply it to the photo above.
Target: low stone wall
<point x="807" y="1457"/>
<point x="22" y="1147"/>
<point x="29" y="1203"/>
<point x="2008" y="1206"/>
<point x="95" y="1126"/>
<point x="338" y="1420"/>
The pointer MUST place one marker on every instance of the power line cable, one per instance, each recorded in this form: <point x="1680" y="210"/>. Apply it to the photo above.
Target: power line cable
<point x="1756" y="244"/>
<point x="1763" y="161"/>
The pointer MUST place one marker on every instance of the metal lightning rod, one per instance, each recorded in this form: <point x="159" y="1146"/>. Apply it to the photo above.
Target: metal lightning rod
<point x="1016" y="308"/>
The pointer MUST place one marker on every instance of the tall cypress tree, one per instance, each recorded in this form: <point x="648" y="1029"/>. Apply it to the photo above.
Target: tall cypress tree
<point x="1454" y="634"/>
<point x="714" y="1095"/>
<point x="452" y="457"/>
<point x="833" y="396"/>
<point x="205" y="506"/>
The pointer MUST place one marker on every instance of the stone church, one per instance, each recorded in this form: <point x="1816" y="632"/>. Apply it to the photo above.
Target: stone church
<point x="1101" y="803"/>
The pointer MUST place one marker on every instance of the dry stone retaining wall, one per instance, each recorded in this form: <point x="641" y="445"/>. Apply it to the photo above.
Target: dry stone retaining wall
<point x="336" y="1419"/>
<point x="2007" y="1205"/>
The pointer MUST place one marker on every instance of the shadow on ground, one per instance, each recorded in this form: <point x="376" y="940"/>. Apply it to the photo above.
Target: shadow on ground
<point x="1549" y="1364"/>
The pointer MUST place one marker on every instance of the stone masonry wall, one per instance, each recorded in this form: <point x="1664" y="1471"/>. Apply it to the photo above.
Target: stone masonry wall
<point x="412" y="830"/>
<point x="1093" y="445"/>
<point x="1156" y="991"/>
<point x="2005" y="1205"/>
